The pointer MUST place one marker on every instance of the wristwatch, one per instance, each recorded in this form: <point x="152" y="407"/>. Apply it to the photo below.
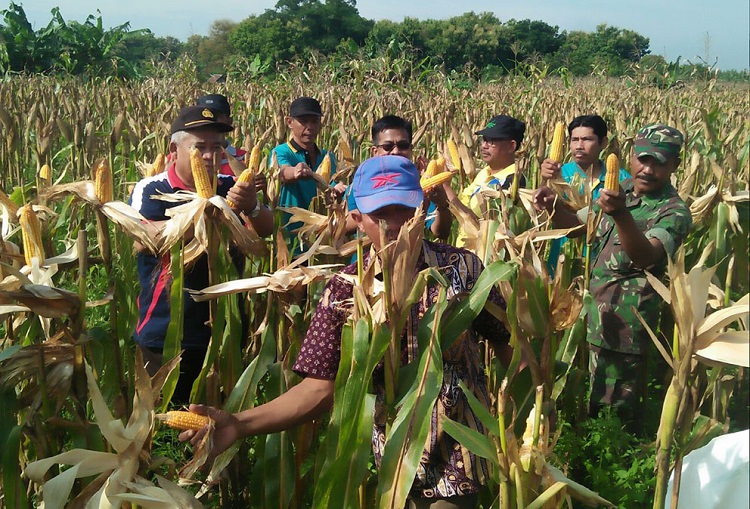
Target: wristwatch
<point x="254" y="213"/>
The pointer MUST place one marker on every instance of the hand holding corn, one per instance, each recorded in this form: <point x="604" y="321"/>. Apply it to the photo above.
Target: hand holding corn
<point x="226" y="429"/>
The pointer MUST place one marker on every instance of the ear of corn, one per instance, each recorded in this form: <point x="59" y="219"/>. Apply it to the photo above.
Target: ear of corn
<point x="428" y="182"/>
<point x="45" y="172"/>
<point x="103" y="186"/>
<point x="612" y="177"/>
<point x="254" y="163"/>
<point x="246" y="176"/>
<point x="440" y="165"/>
<point x="179" y="419"/>
<point x="558" y="141"/>
<point x="432" y="169"/>
<point x="158" y="165"/>
<point x="455" y="156"/>
<point x="31" y="233"/>
<point x="201" y="181"/>
<point x="324" y="170"/>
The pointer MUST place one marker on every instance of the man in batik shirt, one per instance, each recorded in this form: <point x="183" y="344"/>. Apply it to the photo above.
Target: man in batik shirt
<point x="387" y="189"/>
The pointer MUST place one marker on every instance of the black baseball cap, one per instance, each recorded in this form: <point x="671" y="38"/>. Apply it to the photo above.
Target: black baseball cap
<point x="503" y="127"/>
<point x="305" y="106"/>
<point x="217" y="102"/>
<point x="196" y="117"/>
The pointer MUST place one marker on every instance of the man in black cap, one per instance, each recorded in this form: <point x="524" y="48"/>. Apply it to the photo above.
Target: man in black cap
<point x="300" y="156"/>
<point x="501" y="138"/>
<point x="199" y="127"/>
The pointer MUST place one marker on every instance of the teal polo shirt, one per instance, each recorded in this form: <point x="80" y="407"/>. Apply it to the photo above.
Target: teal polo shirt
<point x="301" y="192"/>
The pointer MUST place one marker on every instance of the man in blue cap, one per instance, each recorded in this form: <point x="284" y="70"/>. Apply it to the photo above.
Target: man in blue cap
<point x="387" y="190"/>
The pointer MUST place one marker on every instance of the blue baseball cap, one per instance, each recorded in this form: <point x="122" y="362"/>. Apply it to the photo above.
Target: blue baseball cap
<point x="387" y="180"/>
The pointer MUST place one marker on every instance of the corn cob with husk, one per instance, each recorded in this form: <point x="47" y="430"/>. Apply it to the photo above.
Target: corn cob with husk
<point x="255" y="153"/>
<point x="201" y="180"/>
<point x="31" y="234"/>
<point x="103" y="185"/>
<point x="324" y="169"/>
<point x="558" y="142"/>
<point x="612" y="177"/>
<point x="179" y="419"/>
<point x="158" y="165"/>
<point x="453" y="152"/>
<point x="45" y="173"/>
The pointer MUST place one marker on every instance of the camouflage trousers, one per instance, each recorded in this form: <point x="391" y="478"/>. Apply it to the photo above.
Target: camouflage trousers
<point x="616" y="381"/>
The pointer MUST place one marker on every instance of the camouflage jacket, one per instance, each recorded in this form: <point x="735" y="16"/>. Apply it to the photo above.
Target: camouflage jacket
<point x="617" y="284"/>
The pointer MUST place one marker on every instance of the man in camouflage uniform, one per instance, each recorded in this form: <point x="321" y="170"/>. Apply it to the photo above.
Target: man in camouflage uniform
<point x="642" y="224"/>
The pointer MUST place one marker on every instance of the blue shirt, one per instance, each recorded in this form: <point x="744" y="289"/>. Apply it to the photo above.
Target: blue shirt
<point x="300" y="192"/>
<point x="568" y="172"/>
<point x="154" y="274"/>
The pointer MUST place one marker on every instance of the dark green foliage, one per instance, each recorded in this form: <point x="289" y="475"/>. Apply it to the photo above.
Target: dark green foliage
<point x="604" y="457"/>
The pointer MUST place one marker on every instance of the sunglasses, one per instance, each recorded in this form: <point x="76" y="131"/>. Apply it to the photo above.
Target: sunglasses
<point x="388" y="146"/>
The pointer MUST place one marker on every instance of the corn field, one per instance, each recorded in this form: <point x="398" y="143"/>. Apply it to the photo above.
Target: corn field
<point x="77" y="410"/>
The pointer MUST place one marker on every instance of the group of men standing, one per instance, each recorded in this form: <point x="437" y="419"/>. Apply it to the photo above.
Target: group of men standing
<point x="643" y="224"/>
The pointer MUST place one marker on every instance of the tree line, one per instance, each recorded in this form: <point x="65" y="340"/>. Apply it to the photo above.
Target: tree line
<point x="298" y="30"/>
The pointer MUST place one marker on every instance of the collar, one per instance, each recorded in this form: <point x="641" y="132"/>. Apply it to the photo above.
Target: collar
<point x="174" y="180"/>
<point x="501" y="174"/>
<point x="651" y="200"/>
<point x="602" y="172"/>
<point x="296" y="147"/>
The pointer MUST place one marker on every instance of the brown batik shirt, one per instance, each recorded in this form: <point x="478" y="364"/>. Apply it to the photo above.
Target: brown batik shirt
<point x="447" y="468"/>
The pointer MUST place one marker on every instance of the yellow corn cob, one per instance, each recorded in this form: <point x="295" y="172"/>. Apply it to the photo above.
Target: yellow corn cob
<point x="246" y="176"/>
<point x="432" y="169"/>
<point x="440" y="165"/>
<point x="158" y="166"/>
<point x="184" y="420"/>
<point x="558" y="141"/>
<point x="201" y="181"/>
<point x="31" y="233"/>
<point x="453" y="151"/>
<point x="612" y="177"/>
<point x="103" y="186"/>
<point x="428" y="182"/>
<point x="324" y="170"/>
<point x="45" y="173"/>
<point x="254" y="163"/>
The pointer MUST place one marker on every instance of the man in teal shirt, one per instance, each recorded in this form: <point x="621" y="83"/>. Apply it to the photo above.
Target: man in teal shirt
<point x="588" y="137"/>
<point x="300" y="157"/>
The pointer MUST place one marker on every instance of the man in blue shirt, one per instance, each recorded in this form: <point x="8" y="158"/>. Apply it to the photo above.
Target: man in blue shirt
<point x="300" y="157"/>
<point x="588" y="137"/>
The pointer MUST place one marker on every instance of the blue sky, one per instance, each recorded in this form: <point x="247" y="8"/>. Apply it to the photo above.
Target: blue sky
<point x="688" y="28"/>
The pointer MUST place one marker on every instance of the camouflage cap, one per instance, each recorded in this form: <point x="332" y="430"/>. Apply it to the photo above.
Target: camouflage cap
<point x="658" y="141"/>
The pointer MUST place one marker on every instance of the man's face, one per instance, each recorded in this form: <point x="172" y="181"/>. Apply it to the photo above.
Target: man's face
<point x="304" y="128"/>
<point x="209" y="142"/>
<point x="392" y="142"/>
<point x="585" y="146"/>
<point x="394" y="216"/>
<point x="650" y="175"/>
<point x="495" y="151"/>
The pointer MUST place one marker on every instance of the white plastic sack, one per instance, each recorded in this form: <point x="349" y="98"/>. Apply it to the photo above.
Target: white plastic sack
<point x="716" y="475"/>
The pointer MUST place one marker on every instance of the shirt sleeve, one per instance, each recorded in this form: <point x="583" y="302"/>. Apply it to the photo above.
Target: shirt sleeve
<point x="320" y="353"/>
<point x="671" y="228"/>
